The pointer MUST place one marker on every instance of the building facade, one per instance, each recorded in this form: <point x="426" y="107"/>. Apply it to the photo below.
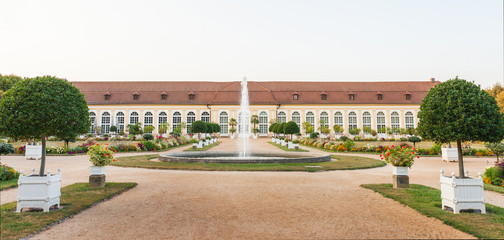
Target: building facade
<point x="376" y="105"/>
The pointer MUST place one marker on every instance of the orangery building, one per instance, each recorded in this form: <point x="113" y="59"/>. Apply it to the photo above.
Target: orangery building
<point x="376" y="105"/>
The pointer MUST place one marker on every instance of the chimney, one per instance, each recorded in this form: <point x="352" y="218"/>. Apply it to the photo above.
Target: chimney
<point x="433" y="80"/>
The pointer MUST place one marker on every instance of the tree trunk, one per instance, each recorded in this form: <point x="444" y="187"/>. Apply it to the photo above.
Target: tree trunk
<point x="43" y="159"/>
<point x="414" y="145"/>
<point x="461" y="161"/>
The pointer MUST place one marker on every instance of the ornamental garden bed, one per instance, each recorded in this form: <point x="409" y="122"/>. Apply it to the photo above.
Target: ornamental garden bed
<point x="75" y="198"/>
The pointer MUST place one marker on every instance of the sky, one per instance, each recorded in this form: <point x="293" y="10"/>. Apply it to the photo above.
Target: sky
<point x="340" y="40"/>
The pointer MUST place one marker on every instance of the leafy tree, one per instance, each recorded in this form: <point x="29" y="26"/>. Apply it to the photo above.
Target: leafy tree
<point x="148" y="129"/>
<point x="232" y="122"/>
<point x="40" y="107"/>
<point x="291" y="128"/>
<point x="307" y="127"/>
<point x="113" y="128"/>
<point x="215" y="128"/>
<point x="338" y="129"/>
<point x="7" y="82"/>
<point x="280" y="128"/>
<point x="366" y="130"/>
<point x="324" y="128"/>
<point x="374" y="133"/>
<point x="135" y="129"/>
<point x="148" y="137"/>
<point x="414" y="140"/>
<point x="458" y="110"/>
<point x="495" y="90"/>
<point x="272" y="128"/>
<point x="254" y="120"/>
<point x="497" y="148"/>
<point x="163" y="127"/>
<point x="354" y="131"/>
<point x="200" y="127"/>
<point x="232" y="130"/>
<point x="411" y="131"/>
<point x="500" y="101"/>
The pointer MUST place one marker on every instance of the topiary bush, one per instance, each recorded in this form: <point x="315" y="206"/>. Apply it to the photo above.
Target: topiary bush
<point x="149" y="146"/>
<point x="343" y="138"/>
<point x="148" y="137"/>
<point x="314" y="135"/>
<point x="6" y="148"/>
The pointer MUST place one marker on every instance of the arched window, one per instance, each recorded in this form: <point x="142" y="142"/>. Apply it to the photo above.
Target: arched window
<point x="409" y="120"/>
<point x="205" y="117"/>
<point x="223" y="123"/>
<point x="296" y="118"/>
<point x="324" y="119"/>
<point x="133" y="118"/>
<point x="263" y="123"/>
<point x="105" y="123"/>
<point x="282" y="117"/>
<point x="395" y="122"/>
<point x="120" y="121"/>
<point x="380" y="123"/>
<point x="92" y="119"/>
<point x="352" y="120"/>
<point x="176" y="119"/>
<point x="310" y="117"/>
<point x="366" y="120"/>
<point x="338" y="119"/>
<point x="162" y="119"/>
<point x="191" y="117"/>
<point x="148" y="120"/>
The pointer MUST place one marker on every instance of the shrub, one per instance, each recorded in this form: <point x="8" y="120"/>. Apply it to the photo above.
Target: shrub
<point x="314" y="135"/>
<point x="354" y="131"/>
<point x="343" y="138"/>
<point x="341" y="148"/>
<point x="7" y="173"/>
<point x="100" y="155"/>
<point x="349" y="144"/>
<point x="6" y="148"/>
<point x="148" y="129"/>
<point x="291" y="128"/>
<point x="496" y="148"/>
<point x="494" y="175"/>
<point x="148" y="145"/>
<point x="194" y="141"/>
<point x="113" y="128"/>
<point x="148" y="137"/>
<point x="295" y="141"/>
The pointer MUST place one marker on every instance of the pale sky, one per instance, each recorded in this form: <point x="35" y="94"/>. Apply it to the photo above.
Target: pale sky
<point x="342" y="40"/>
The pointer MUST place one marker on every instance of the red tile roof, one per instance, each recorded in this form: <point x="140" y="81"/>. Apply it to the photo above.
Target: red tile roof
<point x="279" y="92"/>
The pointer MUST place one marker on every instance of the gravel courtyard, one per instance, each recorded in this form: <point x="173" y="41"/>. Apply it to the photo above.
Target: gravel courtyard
<point x="170" y="204"/>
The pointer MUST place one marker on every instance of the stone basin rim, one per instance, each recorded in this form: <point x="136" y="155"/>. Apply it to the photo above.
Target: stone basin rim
<point x="210" y="157"/>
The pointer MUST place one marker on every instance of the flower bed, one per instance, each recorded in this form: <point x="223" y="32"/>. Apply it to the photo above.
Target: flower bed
<point x="124" y="146"/>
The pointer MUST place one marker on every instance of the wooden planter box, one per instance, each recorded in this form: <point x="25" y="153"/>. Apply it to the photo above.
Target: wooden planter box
<point x="462" y="193"/>
<point x="39" y="192"/>
<point x="33" y="152"/>
<point x="449" y="154"/>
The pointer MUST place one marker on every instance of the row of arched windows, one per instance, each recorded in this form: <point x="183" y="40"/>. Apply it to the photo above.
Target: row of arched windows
<point x="338" y="119"/>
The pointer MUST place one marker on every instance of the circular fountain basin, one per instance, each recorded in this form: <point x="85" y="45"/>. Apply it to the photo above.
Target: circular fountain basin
<point x="234" y="157"/>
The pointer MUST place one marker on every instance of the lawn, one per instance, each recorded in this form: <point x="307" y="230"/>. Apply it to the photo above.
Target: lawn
<point x="8" y="184"/>
<point x="74" y="199"/>
<point x="285" y="148"/>
<point x="342" y="163"/>
<point x="204" y="147"/>
<point x="494" y="188"/>
<point x="427" y="201"/>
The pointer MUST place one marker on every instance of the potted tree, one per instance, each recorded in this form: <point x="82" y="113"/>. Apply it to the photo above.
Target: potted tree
<point x="414" y="140"/>
<point x="338" y="131"/>
<point x="291" y="128"/>
<point x="272" y="130"/>
<point x="324" y="129"/>
<point x="198" y="127"/>
<point x="35" y="109"/>
<point x="401" y="158"/>
<point x="354" y="132"/>
<point x="254" y="120"/>
<point x="458" y="110"/>
<point x="367" y="131"/>
<point x="163" y="127"/>
<point x="100" y="156"/>
<point x="113" y="130"/>
<point x="232" y="124"/>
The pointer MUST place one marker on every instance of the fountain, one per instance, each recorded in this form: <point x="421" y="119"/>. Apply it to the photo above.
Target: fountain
<point x="244" y="119"/>
<point x="244" y="155"/>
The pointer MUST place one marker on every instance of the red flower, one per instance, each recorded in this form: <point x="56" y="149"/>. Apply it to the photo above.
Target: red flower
<point x="417" y="156"/>
<point x="388" y="153"/>
<point x="392" y="146"/>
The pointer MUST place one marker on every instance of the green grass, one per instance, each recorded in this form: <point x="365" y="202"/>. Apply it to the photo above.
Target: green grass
<point x="8" y="184"/>
<point x="343" y="163"/>
<point x="74" y="199"/>
<point x="204" y="147"/>
<point x="285" y="148"/>
<point x="494" y="188"/>
<point x="427" y="201"/>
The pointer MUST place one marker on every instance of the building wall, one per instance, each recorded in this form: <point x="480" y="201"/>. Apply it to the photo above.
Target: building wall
<point x="270" y="110"/>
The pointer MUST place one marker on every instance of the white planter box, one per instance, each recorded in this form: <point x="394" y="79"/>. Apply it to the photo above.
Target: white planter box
<point x="449" y="154"/>
<point x="206" y="143"/>
<point x="39" y="192"/>
<point x="400" y="171"/>
<point x="97" y="170"/>
<point x="33" y="152"/>
<point x="254" y="136"/>
<point x="273" y="139"/>
<point x="462" y="193"/>
<point x="292" y="145"/>
<point x="200" y="144"/>
<point x="232" y="136"/>
<point x="283" y="143"/>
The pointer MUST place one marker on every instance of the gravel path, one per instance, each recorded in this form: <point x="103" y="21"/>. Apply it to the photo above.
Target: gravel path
<point x="253" y="205"/>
